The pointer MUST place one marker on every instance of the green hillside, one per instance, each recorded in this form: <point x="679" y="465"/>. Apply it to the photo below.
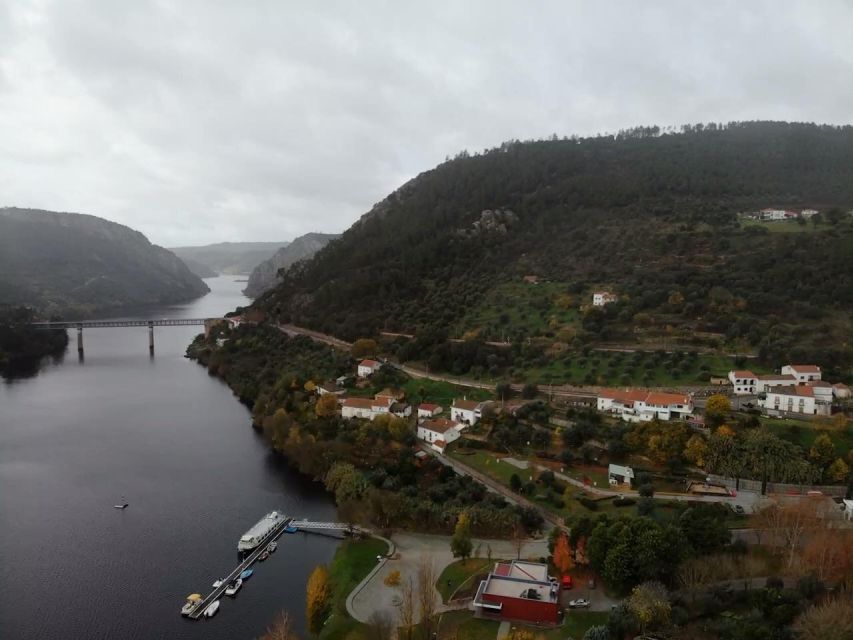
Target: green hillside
<point x="651" y="217"/>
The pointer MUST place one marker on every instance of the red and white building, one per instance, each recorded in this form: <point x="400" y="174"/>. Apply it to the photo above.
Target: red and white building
<point x="519" y="590"/>
<point x="466" y="411"/>
<point x="428" y="410"/>
<point x="638" y="405"/>
<point x="367" y="368"/>
<point x="744" y="382"/>
<point x="601" y="298"/>
<point x="366" y="408"/>
<point x="796" y="399"/>
<point x="803" y="372"/>
<point x="439" y="433"/>
<point x="774" y="380"/>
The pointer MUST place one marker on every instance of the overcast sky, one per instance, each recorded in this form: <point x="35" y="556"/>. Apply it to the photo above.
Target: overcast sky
<point x="205" y="121"/>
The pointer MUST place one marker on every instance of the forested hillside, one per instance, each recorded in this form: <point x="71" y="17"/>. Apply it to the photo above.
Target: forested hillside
<point x="265" y="275"/>
<point x="76" y="265"/>
<point x="650" y="216"/>
<point x="235" y="258"/>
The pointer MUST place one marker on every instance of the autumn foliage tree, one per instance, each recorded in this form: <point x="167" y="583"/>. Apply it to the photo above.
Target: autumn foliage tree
<point x="317" y="595"/>
<point x="562" y="554"/>
<point x="327" y="405"/>
<point x="717" y="409"/>
<point x="364" y="347"/>
<point x="460" y="543"/>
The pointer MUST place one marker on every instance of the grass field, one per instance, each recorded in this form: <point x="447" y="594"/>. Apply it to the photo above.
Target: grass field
<point x="784" y="226"/>
<point x="458" y="572"/>
<point x="352" y="562"/>
<point x="462" y="625"/>
<point x="804" y="433"/>
<point x="421" y="390"/>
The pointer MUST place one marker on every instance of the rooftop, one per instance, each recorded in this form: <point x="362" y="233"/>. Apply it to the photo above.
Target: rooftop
<point x="428" y="406"/>
<point x="805" y="368"/>
<point x="802" y="391"/>
<point x="466" y="405"/>
<point x="358" y="403"/>
<point x="518" y="579"/>
<point x="744" y="373"/>
<point x="777" y="376"/>
<point x="368" y="363"/>
<point x="441" y="425"/>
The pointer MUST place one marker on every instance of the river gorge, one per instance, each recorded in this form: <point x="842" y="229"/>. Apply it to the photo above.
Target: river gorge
<point x="178" y="445"/>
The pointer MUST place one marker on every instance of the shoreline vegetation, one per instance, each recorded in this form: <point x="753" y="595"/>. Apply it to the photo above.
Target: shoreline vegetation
<point x="22" y="348"/>
<point x="370" y="467"/>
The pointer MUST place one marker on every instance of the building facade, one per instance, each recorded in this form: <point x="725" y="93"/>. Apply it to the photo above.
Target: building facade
<point x="519" y="590"/>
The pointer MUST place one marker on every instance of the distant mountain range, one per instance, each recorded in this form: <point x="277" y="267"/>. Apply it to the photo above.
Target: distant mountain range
<point x="233" y="258"/>
<point x="76" y="265"/>
<point x="265" y="275"/>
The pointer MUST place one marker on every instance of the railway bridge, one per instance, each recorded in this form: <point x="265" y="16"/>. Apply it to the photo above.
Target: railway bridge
<point x="207" y="323"/>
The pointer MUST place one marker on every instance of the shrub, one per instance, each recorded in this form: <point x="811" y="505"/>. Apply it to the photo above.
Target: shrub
<point x="645" y="506"/>
<point x="592" y="505"/>
<point x="624" y="502"/>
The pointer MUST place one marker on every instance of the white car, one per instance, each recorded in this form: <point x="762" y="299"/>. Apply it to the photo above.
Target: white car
<point x="580" y="603"/>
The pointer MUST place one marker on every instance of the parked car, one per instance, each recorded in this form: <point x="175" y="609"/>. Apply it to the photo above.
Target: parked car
<point x="567" y="582"/>
<point x="739" y="510"/>
<point x="580" y="603"/>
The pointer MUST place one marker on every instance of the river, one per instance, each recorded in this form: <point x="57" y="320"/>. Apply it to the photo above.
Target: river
<point x="159" y="430"/>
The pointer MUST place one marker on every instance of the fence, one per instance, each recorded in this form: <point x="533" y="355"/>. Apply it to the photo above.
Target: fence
<point x="778" y="487"/>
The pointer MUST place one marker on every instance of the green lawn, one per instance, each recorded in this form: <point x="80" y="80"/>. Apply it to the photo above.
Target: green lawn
<point x="420" y="390"/>
<point x="804" y="433"/>
<point x="462" y="625"/>
<point x="458" y="572"/>
<point x="576" y="624"/>
<point x="352" y="562"/>
<point x="784" y="226"/>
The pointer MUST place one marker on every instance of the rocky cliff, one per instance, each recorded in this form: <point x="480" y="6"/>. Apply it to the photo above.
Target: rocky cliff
<point x="265" y="275"/>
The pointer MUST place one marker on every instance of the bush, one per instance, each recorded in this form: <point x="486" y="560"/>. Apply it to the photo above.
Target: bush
<point x="645" y="506"/>
<point x="592" y="505"/>
<point x="624" y="502"/>
<point x="646" y="490"/>
<point x="774" y="582"/>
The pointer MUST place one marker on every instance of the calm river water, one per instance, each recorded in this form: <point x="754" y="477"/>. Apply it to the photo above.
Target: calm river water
<point x="78" y="436"/>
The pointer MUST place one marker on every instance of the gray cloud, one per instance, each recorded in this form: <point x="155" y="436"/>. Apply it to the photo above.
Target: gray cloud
<point x="198" y="121"/>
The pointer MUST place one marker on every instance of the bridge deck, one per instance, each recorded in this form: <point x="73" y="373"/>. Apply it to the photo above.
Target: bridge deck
<point x="95" y="324"/>
<point x="248" y="561"/>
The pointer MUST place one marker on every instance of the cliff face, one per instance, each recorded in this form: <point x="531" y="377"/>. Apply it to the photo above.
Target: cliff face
<point x="265" y="275"/>
<point x="77" y="265"/>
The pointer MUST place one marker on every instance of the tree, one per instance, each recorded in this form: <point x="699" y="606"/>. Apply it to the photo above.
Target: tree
<point x="380" y="625"/>
<point x="503" y="390"/>
<point x="317" y="595"/>
<point x="828" y="554"/>
<point x="693" y="575"/>
<point x="460" y="543"/>
<point x="515" y="482"/>
<point x="327" y="405"/>
<point x="598" y="632"/>
<point x="695" y="450"/>
<point x="838" y="471"/>
<point x="280" y="629"/>
<point x="392" y="579"/>
<point x="650" y="606"/>
<point x="562" y="557"/>
<point x="364" y="347"/>
<point x="517" y="536"/>
<point x="829" y="620"/>
<point x="406" y="607"/>
<point x="822" y="451"/>
<point x="426" y="594"/>
<point x="529" y="391"/>
<point x="345" y="481"/>
<point x="717" y="408"/>
<point x="791" y="522"/>
<point x="309" y="386"/>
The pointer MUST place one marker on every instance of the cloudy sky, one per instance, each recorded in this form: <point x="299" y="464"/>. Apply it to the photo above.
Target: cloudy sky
<point x="200" y="121"/>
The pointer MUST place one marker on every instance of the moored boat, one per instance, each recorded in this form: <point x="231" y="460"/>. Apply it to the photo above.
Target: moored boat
<point x="217" y="583"/>
<point x="233" y="588"/>
<point x="264" y="556"/>
<point x="290" y="529"/>
<point x="246" y="574"/>
<point x="258" y="533"/>
<point x="192" y="602"/>
<point x="272" y="546"/>
<point x="211" y="610"/>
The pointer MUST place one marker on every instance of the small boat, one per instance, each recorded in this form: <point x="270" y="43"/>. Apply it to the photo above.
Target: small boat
<point x="272" y="546"/>
<point x="264" y="556"/>
<point x="192" y="602"/>
<point x="234" y="587"/>
<point x="246" y="574"/>
<point x="290" y="529"/>
<point x="211" y="610"/>
<point x="217" y="583"/>
<point x="121" y="505"/>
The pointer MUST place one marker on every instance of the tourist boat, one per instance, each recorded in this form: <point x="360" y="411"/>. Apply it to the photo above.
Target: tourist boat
<point x="246" y="574"/>
<point x="211" y="610"/>
<point x="264" y="556"/>
<point x="258" y="533"/>
<point x="192" y="602"/>
<point x="233" y="588"/>
<point x="272" y="546"/>
<point x="217" y="583"/>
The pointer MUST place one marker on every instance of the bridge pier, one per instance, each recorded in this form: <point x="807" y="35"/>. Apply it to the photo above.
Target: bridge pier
<point x="79" y="339"/>
<point x="151" y="338"/>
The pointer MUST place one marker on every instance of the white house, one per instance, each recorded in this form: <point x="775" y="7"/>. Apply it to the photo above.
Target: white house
<point x="367" y="368"/>
<point x="841" y="390"/>
<point x="428" y="410"/>
<point x="798" y="399"/>
<point x="808" y="213"/>
<point x="774" y="380"/>
<point x="401" y="409"/>
<point x="329" y="388"/>
<point x="848" y="508"/>
<point x="357" y="408"/>
<point x="439" y="433"/>
<point x="773" y="214"/>
<point x="601" y="298"/>
<point x="802" y="372"/>
<point x="822" y="390"/>
<point x="744" y="382"/>
<point x="637" y="405"/>
<point x="617" y="474"/>
<point x="466" y="411"/>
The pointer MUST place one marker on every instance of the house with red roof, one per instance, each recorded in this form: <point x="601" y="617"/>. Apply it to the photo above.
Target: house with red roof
<point x="439" y="433"/>
<point x="519" y="590"/>
<point x="367" y="368"/>
<point x="639" y="405"/>
<point x="797" y="399"/>
<point x="428" y="410"/>
<point x="803" y="372"/>
<point x="466" y="411"/>
<point x="744" y="382"/>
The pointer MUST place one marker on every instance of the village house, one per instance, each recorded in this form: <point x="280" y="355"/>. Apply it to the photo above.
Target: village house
<point x="366" y="408"/>
<point x="329" y="388"/>
<point x="774" y="380"/>
<point x="601" y="298"/>
<point x="802" y="372"/>
<point x="822" y="390"/>
<point x="637" y="405"/>
<point x="519" y="590"/>
<point x="841" y="391"/>
<point x="401" y="409"/>
<point x="743" y="382"/>
<point x="428" y="410"/>
<point x="439" y="433"/>
<point x="796" y="399"/>
<point x="466" y="411"/>
<point x="367" y="368"/>
<point x="617" y="474"/>
<point x="809" y="213"/>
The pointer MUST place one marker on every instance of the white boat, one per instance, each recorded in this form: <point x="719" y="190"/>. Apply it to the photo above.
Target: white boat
<point x="258" y="533"/>
<point x="272" y="546"/>
<point x="217" y="583"/>
<point x="211" y="610"/>
<point x="192" y="602"/>
<point x="234" y="587"/>
<point x="121" y="505"/>
<point x="264" y="556"/>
